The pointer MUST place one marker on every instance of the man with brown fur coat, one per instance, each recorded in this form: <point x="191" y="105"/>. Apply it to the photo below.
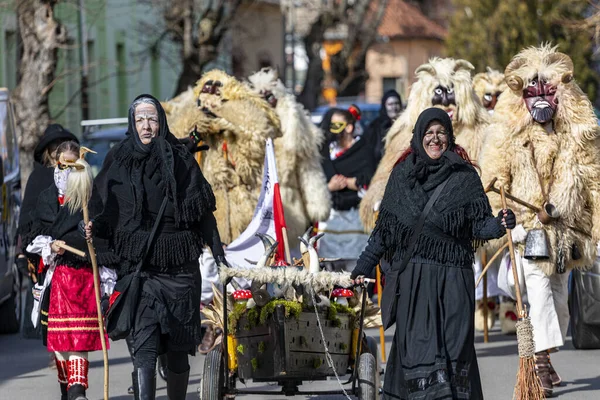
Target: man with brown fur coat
<point x="444" y="83"/>
<point x="235" y="123"/>
<point x="543" y="148"/>
<point x="301" y="178"/>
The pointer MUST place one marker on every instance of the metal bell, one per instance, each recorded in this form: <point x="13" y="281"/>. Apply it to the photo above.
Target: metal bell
<point x="536" y="245"/>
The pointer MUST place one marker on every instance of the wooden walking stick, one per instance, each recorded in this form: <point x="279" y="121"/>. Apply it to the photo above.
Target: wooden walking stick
<point x="79" y="192"/>
<point x="528" y="385"/>
<point x="486" y="333"/>
<point x="381" y="330"/>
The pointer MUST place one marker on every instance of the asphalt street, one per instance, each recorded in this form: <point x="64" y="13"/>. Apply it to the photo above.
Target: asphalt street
<point x="24" y="373"/>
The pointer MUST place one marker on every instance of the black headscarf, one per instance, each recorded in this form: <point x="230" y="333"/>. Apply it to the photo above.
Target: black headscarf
<point x="169" y="164"/>
<point x="390" y="93"/>
<point x="426" y="168"/>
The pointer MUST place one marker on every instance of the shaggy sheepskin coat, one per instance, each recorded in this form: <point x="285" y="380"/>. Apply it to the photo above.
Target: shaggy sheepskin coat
<point x="490" y="83"/>
<point x="570" y="142"/>
<point x="302" y="181"/>
<point x="469" y="118"/>
<point x="234" y="122"/>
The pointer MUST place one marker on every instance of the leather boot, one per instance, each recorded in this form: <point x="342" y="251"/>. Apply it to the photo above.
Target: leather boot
<point x="177" y="385"/>
<point x="63" y="392"/>
<point x="145" y="384"/>
<point x="76" y="392"/>
<point x="208" y="340"/>
<point x="129" y="341"/>
<point x="556" y="379"/>
<point x="542" y="370"/>
<point x="162" y="366"/>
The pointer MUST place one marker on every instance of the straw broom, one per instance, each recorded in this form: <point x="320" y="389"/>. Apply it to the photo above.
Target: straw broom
<point x="528" y="386"/>
<point x="79" y="192"/>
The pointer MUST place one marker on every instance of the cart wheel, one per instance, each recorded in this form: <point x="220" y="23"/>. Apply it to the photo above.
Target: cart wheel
<point x="213" y="380"/>
<point x="374" y="349"/>
<point x="368" y="389"/>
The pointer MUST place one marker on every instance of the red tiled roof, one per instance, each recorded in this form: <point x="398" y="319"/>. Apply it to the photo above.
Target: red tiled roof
<point x="403" y="21"/>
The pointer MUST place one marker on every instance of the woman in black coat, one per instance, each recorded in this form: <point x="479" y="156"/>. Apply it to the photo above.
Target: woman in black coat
<point x="149" y="165"/>
<point x="430" y="290"/>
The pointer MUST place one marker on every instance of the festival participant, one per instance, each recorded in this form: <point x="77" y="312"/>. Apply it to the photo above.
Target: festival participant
<point x="543" y="148"/>
<point x="444" y="83"/>
<point x="489" y="85"/>
<point x="349" y="164"/>
<point x="302" y="182"/>
<point x="69" y="305"/>
<point x="41" y="178"/>
<point x="391" y="106"/>
<point x="234" y="122"/>
<point x="150" y="173"/>
<point x="433" y="214"/>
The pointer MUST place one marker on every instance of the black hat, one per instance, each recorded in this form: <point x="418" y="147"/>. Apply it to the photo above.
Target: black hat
<point x="52" y="133"/>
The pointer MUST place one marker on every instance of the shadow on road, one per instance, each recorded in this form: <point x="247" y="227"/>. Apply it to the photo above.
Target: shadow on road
<point x="579" y="385"/>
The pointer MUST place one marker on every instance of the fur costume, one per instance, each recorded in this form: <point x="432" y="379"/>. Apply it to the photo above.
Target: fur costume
<point x="467" y="114"/>
<point x="304" y="192"/>
<point x="488" y="86"/>
<point x="566" y="149"/>
<point x="234" y="123"/>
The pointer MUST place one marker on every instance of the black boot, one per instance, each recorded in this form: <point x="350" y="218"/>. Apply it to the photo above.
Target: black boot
<point x="63" y="391"/>
<point x="162" y="366"/>
<point x="145" y="384"/>
<point x="76" y="392"/>
<point x="129" y="341"/>
<point x="177" y="385"/>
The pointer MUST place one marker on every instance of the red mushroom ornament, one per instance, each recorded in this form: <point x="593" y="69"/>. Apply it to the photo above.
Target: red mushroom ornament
<point x="242" y="296"/>
<point x="341" y="295"/>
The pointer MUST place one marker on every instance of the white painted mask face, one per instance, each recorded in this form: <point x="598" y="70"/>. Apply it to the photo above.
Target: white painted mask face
<point x="60" y="179"/>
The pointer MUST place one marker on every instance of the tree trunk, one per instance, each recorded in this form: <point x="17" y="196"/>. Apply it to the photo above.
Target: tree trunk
<point x="41" y="37"/>
<point x="188" y="77"/>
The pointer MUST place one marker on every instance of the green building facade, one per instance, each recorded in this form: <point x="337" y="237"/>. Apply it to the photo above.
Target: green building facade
<point x="118" y="35"/>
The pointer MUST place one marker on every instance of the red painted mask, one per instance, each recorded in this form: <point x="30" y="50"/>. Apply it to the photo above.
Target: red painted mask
<point x="540" y="100"/>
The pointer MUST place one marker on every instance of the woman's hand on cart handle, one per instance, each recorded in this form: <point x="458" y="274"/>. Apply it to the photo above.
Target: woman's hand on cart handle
<point x="361" y="280"/>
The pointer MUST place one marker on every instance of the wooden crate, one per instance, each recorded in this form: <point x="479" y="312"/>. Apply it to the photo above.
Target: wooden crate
<point x="290" y="348"/>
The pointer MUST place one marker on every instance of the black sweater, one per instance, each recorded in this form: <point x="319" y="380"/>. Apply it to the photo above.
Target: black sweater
<point x="357" y="162"/>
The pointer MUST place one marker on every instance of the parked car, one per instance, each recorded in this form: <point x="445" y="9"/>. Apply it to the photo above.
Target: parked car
<point x="369" y="112"/>
<point x="101" y="135"/>
<point x="11" y="295"/>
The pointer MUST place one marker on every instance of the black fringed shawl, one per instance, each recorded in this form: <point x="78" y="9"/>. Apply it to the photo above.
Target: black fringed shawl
<point x="458" y="223"/>
<point x="52" y="219"/>
<point x="132" y="184"/>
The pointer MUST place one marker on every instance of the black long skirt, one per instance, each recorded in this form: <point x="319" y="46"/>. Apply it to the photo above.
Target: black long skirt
<point x="433" y="352"/>
<point x="171" y="304"/>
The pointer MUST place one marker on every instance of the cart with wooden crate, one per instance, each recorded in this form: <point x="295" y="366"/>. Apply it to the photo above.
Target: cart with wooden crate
<point x="287" y="344"/>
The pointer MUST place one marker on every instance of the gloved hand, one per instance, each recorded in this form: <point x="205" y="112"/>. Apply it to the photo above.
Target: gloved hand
<point x="221" y="260"/>
<point x="81" y="228"/>
<point x="104" y="303"/>
<point x="507" y="218"/>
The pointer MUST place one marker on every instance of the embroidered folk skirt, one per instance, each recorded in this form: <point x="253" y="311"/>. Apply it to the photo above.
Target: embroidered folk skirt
<point x="72" y="314"/>
<point x="433" y="352"/>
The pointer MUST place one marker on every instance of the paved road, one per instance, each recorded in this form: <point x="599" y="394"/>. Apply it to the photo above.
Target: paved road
<point x="24" y="373"/>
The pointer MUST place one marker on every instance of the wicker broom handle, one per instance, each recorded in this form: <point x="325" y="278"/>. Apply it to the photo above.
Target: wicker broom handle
<point x="511" y="249"/>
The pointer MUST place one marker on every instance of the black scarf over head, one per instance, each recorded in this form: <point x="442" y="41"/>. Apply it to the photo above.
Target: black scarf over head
<point x="169" y="165"/>
<point x="448" y="233"/>
<point x="427" y="171"/>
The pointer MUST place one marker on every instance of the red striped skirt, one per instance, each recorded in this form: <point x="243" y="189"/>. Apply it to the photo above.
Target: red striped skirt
<point x="72" y="314"/>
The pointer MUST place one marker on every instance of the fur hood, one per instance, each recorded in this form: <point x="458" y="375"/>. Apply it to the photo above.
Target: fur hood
<point x="468" y="121"/>
<point x="567" y="158"/>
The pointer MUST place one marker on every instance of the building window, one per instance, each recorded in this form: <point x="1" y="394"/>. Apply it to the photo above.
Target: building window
<point x="122" y="79"/>
<point x="395" y="83"/>
<point x="10" y="59"/>
<point x="91" y="73"/>
<point x="155" y="73"/>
